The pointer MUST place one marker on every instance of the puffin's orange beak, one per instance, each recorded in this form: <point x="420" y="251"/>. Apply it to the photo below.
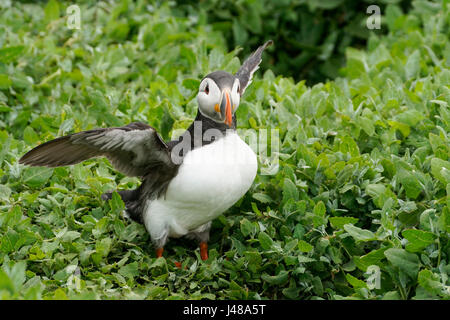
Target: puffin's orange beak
<point x="225" y="108"/>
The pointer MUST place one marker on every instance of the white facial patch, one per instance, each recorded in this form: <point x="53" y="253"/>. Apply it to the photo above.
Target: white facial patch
<point x="208" y="97"/>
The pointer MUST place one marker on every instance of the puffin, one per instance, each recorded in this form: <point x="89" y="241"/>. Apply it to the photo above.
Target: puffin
<point x="185" y="183"/>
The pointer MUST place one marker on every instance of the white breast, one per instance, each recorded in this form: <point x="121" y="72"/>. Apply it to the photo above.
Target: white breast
<point x="209" y="181"/>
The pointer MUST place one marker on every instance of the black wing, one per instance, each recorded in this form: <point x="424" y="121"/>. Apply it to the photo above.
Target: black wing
<point x="133" y="149"/>
<point x="245" y="73"/>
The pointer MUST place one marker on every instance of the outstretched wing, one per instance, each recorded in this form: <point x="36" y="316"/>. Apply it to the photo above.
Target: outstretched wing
<point x="133" y="149"/>
<point x="248" y="68"/>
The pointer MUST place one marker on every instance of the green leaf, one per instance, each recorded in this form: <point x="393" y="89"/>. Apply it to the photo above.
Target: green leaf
<point x="246" y="227"/>
<point x="405" y="261"/>
<point x="10" y="241"/>
<point x="411" y="184"/>
<point x="372" y="258"/>
<point x="430" y="282"/>
<point x="403" y="128"/>
<point x="5" y="192"/>
<point x="265" y="241"/>
<point x="355" y="282"/>
<point x="303" y="259"/>
<point x="279" y="279"/>
<point x="304" y="246"/>
<point x="5" y="82"/>
<point x="10" y="54"/>
<point x="290" y="190"/>
<point x="299" y="231"/>
<point x="14" y="216"/>
<point x="437" y="166"/>
<point x="51" y="11"/>
<point x="410" y="117"/>
<point x="69" y="236"/>
<point x="191" y="84"/>
<point x="391" y="295"/>
<point x="103" y="247"/>
<point x="59" y="294"/>
<point x="17" y="274"/>
<point x="339" y="222"/>
<point x="418" y="239"/>
<point x="116" y="203"/>
<point x="367" y="125"/>
<point x="319" y="209"/>
<point x="262" y="197"/>
<point x="375" y="190"/>
<point x="349" y="145"/>
<point x="130" y="270"/>
<point x="6" y="283"/>
<point x="444" y="220"/>
<point x="36" y="177"/>
<point x="359" y="234"/>
<point x="291" y="292"/>
<point x="30" y="136"/>
<point x="412" y="66"/>
<point x="254" y="259"/>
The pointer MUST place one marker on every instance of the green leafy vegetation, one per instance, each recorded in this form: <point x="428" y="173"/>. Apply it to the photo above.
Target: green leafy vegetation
<point x="362" y="191"/>
<point x="311" y="35"/>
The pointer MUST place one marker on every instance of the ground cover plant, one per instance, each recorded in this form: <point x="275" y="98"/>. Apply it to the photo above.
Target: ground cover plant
<point x="360" y="205"/>
<point x="311" y="36"/>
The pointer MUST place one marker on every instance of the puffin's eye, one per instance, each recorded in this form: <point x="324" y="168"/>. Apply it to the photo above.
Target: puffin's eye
<point x="207" y="89"/>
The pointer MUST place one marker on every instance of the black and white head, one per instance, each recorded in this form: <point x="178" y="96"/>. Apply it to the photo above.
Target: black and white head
<point x="220" y="92"/>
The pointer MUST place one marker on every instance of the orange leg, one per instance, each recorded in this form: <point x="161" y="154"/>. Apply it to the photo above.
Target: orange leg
<point x="204" y="250"/>
<point x="159" y="252"/>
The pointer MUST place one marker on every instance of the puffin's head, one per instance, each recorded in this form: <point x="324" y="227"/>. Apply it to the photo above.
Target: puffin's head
<point x="218" y="96"/>
<point x="219" y="93"/>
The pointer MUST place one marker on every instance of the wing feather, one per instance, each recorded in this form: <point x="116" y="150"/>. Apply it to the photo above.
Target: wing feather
<point x="133" y="149"/>
<point x="249" y="67"/>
